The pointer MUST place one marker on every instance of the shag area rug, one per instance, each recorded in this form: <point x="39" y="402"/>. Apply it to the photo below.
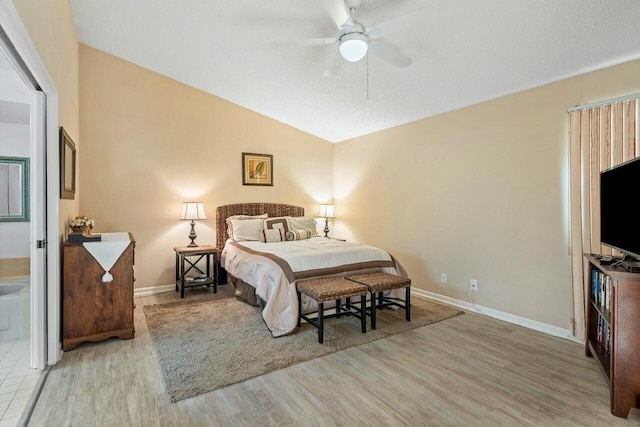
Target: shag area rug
<point x="205" y="345"/>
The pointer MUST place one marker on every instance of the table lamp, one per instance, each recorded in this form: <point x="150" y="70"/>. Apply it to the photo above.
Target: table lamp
<point x="326" y="212"/>
<point x="193" y="211"/>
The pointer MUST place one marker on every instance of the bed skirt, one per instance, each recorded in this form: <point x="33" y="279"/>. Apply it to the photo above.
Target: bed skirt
<point x="245" y="292"/>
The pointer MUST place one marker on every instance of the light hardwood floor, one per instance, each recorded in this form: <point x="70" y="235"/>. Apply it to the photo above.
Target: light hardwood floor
<point x="469" y="370"/>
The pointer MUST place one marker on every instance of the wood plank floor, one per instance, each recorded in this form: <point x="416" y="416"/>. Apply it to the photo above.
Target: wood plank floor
<point x="469" y="370"/>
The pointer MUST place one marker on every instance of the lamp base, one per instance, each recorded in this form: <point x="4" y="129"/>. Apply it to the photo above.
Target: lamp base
<point x="326" y="228"/>
<point x="192" y="235"/>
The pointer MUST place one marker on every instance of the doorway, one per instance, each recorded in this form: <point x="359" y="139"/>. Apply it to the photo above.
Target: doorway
<point x="20" y="370"/>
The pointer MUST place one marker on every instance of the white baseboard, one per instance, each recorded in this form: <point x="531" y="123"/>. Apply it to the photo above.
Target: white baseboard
<point x="152" y="290"/>
<point x="500" y="315"/>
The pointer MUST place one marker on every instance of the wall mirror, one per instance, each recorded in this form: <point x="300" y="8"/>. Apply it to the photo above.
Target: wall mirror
<point x="67" y="166"/>
<point x="14" y="189"/>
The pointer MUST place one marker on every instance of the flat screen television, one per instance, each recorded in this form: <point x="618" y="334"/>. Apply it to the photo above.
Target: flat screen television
<point x="619" y="212"/>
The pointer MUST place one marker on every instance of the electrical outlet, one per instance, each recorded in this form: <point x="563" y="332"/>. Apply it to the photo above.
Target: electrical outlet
<point x="443" y="278"/>
<point x="474" y="285"/>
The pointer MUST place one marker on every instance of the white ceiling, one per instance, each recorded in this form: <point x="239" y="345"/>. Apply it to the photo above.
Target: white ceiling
<point x="463" y="52"/>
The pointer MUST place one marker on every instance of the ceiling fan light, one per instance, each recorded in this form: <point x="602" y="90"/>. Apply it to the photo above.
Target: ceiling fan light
<point x="353" y="46"/>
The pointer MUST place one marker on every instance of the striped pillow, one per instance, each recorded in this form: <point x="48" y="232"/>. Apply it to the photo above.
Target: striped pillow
<point x="299" y="234"/>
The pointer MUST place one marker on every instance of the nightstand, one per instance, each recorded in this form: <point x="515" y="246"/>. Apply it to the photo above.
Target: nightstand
<point x="208" y="277"/>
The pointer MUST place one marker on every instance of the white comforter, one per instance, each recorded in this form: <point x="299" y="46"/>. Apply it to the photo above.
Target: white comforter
<point x="261" y="265"/>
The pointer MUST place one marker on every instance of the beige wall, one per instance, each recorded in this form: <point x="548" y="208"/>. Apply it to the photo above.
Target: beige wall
<point x="477" y="193"/>
<point x="51" y="28"/>
<point x="150" y="143"/>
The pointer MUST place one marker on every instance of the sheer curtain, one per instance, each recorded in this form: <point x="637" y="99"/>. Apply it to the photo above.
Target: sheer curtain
<point x="602" y="135"/>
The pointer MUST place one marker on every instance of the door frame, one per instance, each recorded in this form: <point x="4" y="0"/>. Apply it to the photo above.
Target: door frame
<point x="22" y="52"/>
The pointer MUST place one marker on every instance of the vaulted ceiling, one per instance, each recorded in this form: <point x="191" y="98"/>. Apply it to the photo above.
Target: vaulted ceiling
<point x="449" y="54"/>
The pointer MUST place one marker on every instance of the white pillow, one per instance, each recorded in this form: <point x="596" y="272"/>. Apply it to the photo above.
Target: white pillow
<point x="232" y="217"/>
<point x="245" y="229"/>
<point x="303" y="223"/>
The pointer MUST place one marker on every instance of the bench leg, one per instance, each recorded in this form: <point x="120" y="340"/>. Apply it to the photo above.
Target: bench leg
<point x="299" y="308"/>
<point x="363" y="313"/>
<point x="373" y="310"/>
<point x="320" y="322"/>
<point x="338" y="301"/>
<point x="407" y="303"/>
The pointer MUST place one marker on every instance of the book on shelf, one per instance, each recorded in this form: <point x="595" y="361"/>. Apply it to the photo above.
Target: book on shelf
<point x="601" y="289"/>
<point x="603" y="335"/>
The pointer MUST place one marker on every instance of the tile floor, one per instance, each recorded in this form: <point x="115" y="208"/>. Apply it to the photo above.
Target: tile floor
<point x="17" y="380"/>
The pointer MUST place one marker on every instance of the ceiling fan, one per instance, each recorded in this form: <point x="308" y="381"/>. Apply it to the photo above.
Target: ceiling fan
<point x="354" y="40"/>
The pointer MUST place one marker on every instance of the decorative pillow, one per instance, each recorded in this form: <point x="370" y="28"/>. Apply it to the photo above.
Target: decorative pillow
<point x="279" y="222"/>
<point x="245" y="229"/>
<point x="303" y="223"/>
<point x="271" y="236"/>
<point x="299" y="234"/>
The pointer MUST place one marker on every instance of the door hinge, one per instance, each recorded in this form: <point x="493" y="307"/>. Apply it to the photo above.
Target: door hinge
<point x="40" y="244"/>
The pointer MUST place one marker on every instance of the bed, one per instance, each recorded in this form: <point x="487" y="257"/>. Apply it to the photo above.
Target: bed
<point x="265" y="272"/>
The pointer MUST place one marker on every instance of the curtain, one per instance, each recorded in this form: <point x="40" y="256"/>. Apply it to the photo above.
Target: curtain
<point x="600" y="137"/>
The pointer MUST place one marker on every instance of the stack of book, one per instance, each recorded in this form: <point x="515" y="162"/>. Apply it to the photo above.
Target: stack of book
<point x="81" y="238"/>
<point x="196" y="279"/>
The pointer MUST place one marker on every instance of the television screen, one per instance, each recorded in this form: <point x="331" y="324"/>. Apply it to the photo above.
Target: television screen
<point x="619" y="214"/>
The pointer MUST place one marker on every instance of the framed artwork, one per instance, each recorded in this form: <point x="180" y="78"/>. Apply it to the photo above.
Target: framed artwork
<point x="257" y="169"/>
<point x="67" y="166"/>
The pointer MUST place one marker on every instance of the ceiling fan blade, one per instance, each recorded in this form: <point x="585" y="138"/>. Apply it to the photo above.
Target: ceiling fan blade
<point x="334" y="66"/>
<point x="389" y="52"/>
<point x="305" y="42"/>
<point x="338" y="11"/>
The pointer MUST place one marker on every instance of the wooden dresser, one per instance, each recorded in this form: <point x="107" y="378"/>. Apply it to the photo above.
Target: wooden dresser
<point x="93" y="310"/>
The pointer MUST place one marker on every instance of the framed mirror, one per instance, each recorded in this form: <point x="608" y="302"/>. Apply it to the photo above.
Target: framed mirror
<point x="67" y="166"/>
<point x="14" y="189"/>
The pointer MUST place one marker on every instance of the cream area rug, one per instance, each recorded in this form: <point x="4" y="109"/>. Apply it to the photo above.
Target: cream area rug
<point x="205" y="345"/>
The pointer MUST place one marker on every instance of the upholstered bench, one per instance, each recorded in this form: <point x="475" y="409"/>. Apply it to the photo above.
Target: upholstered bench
<point x="329" y="289"/>
<point x="378" y="282"/>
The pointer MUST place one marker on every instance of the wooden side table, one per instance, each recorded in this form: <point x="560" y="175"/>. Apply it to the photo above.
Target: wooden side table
<point x="208" y="277"/>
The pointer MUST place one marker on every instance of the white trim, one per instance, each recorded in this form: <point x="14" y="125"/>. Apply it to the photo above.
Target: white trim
<point x="500" y="315"/>
<point x="18" y="35"/>
<point x="54" y="343"/>
<point x="38" y="298"/>
<point x="604" y="102"/>
<point x="152" y="290"/>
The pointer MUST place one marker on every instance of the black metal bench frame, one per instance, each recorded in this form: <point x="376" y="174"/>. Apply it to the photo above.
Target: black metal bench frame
<point x="345" y="309"/>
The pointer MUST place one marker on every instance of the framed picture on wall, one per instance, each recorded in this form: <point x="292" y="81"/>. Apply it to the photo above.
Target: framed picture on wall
<point x="67" y="166"/>
<point x="257" y="169"/>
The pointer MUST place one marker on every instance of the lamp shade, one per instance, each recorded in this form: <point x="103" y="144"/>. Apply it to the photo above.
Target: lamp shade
<point x="326" y="211"/>
<point x="353" y="46"/>
<point x="193" y="210"/>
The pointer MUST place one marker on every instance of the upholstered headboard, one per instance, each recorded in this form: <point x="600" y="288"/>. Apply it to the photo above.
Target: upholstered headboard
<point x="271" y="209"/>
